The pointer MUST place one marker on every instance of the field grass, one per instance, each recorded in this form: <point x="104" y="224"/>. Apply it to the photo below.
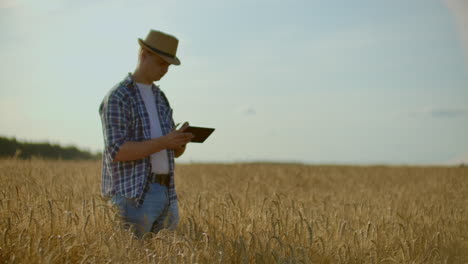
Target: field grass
<point x="52" y="212"/>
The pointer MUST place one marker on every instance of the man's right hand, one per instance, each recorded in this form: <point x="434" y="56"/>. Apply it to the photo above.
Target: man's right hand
<point x="177" y="138"/>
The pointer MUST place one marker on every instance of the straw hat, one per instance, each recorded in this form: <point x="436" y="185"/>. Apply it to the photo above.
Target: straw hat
<point x="161" y="44"/>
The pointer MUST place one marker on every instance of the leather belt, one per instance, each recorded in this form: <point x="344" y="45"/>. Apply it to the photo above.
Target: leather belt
<point x="162" y="179"/>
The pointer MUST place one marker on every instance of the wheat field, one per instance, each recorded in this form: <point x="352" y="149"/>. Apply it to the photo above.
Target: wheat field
<point x="52" y="212"/>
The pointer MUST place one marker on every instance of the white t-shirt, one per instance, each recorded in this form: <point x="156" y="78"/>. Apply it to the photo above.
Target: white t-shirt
<point x="159" y="160"/>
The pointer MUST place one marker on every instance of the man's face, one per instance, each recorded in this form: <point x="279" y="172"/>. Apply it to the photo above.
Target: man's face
<point x="156" y="67"/>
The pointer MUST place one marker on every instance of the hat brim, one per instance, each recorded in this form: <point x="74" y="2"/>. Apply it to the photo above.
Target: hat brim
<point x="170" y="60"/>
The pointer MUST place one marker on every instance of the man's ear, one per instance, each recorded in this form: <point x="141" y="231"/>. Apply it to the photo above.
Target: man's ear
<point x="143" y="54"/>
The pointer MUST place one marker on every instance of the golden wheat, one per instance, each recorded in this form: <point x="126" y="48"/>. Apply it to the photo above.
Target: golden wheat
<point x="52" y="212"/>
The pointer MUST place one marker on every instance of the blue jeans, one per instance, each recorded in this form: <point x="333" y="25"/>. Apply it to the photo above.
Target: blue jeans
<point x="153" y="215"/>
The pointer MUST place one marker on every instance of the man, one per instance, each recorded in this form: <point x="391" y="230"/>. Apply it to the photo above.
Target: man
<point x="141" y="141"/>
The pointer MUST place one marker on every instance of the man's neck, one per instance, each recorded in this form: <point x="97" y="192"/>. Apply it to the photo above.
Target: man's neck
<point x="140" y="78"/>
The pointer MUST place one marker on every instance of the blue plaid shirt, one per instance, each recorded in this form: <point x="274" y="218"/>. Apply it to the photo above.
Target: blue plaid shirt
<point x="124" y="118"/>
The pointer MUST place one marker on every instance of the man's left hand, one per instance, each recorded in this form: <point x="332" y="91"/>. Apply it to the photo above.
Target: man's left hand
<point x="180" y="150"/>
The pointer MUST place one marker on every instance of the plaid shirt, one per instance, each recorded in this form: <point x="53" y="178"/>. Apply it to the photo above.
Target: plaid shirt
<point x="124" y="118"/>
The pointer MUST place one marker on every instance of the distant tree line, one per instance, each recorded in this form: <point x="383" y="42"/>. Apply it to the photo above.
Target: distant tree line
<point x="25" y="150"/>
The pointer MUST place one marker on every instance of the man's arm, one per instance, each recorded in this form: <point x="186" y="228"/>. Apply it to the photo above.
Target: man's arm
<point x="132" y="150"/>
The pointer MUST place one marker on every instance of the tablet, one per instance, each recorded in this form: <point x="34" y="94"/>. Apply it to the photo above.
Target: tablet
<point x="200" y="133"/>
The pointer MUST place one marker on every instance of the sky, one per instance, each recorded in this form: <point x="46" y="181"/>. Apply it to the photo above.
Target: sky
<point x="320" y="82"/>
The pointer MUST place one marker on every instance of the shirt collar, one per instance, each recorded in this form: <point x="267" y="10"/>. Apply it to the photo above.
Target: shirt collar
<point x="130" y="82"/>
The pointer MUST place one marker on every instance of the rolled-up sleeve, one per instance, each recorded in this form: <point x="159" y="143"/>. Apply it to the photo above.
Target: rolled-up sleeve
<point x="114" y="114"/>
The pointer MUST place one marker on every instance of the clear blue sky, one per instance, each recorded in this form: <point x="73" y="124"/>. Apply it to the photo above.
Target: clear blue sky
<point x="356" y="82"/>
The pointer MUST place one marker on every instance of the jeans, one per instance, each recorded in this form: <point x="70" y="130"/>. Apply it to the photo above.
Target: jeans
<point x="153" y="215"/>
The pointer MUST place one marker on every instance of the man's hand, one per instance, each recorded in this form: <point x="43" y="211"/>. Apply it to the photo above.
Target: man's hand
<point x="177" y="138"/>
<point x="180" y="150"/>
